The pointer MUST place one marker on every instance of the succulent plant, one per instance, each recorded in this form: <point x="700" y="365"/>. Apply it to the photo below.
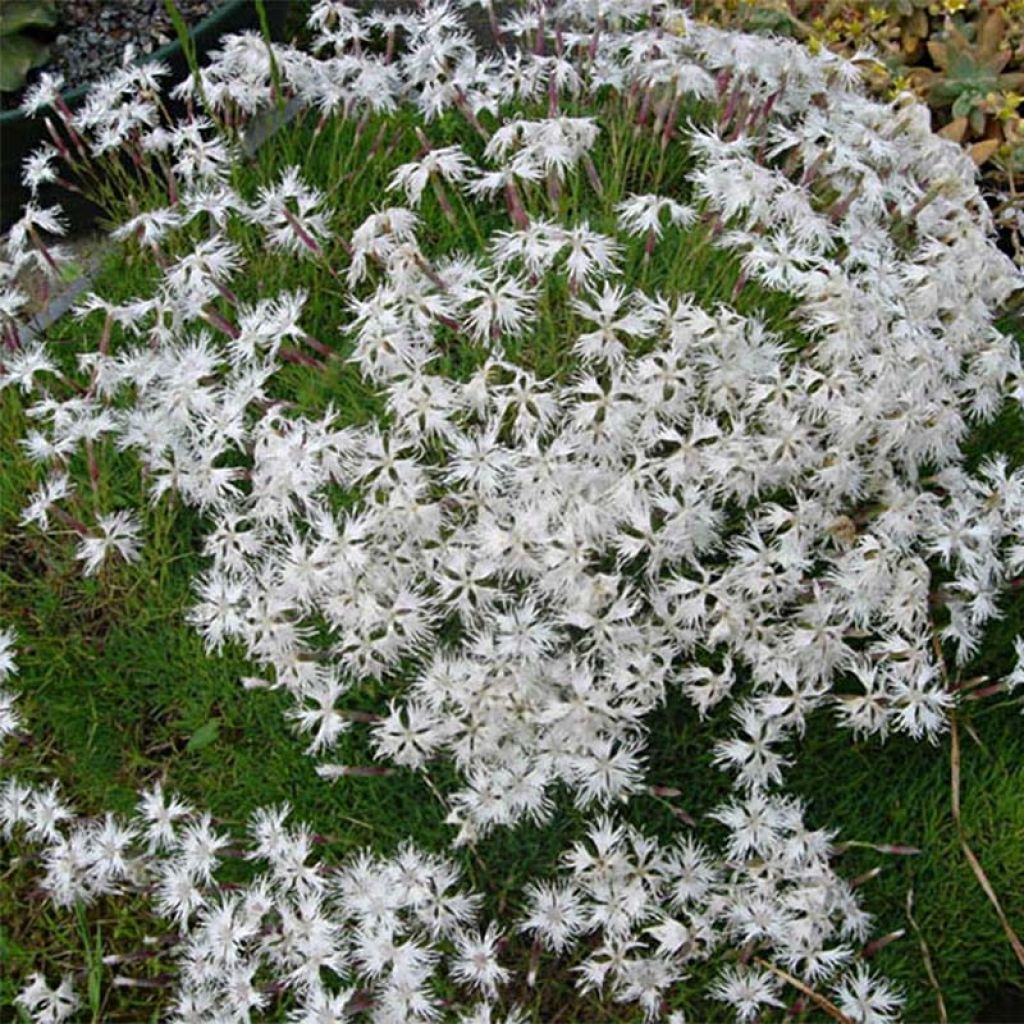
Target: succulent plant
<point x="970" y="64"/>
<point x="964" y="58"/>
<point x="20" y="50"/>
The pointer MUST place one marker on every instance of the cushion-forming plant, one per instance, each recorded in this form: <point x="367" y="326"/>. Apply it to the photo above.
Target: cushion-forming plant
<point x="531" y="553"/>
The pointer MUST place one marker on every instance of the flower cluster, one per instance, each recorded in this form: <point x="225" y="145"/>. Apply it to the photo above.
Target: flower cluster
<point x="690" y="501"/>
<point x="381" y="934"/>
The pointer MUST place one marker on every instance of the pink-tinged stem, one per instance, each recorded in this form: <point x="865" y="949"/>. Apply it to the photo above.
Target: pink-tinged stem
<point x="160" y="982"/>
<point x="645" y="108"/>
<point x="531" y="971"/>
<point x="840" y="208"/>
<point x="69" y="520"/>
<point x="435" y="278"/>
<point x="226" y="293"/>
<point x="58" y="142"/>
<point x="468" y="113"/>
<point x="670" y="123"/>
<point x="317" y="345"/>
<point x="740" y="117"/>
<point x="378" y="141"/>
<point x="363" y="771"/>
<point x="515" y="206"/>
<point x="492" y="17"/>
<point x="90" y="453"/>
<point x="41" y="246"/>
<point x="64" y="183"/>
<point x="812" y="172"/>
<point x="987" y="691"/>
<point x="738" y="287"/>
<point x="158" y="255"/>
<point x="216" y="320"/>
<point x="442" y="200"/>
<point x="554" y="189"/>
<point x="303" y="235"/>
<point x="798" y="1007"/>
<point x="425" y="144"/>
<point x="856" y="883"/>
<point x="360" y="128"/>
<point x="876" y="945"/>
<point x="289" y="355"/>
<point x="11" y="339"/>
<point x="730" y="105"/>
<point x="665" y="791"/>
<point x="650" y="243"/>
<point x="592" y="175"/>
<point x="65" y="112"/>
<point x="172" y="185"/>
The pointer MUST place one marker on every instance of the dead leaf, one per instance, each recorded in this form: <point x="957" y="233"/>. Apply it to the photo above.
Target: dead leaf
<point x="981" y="151"/>
<point x="955" y="130"/>
<point x="939" y="53"/>
<point x="990" y="34"/>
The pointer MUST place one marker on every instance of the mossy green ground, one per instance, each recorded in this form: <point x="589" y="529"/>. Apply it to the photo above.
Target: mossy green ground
<point x="118" y="691"/>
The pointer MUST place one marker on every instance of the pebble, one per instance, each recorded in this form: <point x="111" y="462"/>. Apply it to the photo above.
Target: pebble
<point x="93" y="34"/>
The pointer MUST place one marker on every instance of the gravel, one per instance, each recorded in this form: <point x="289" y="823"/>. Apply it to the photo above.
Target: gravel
<point x="92" y="36"/>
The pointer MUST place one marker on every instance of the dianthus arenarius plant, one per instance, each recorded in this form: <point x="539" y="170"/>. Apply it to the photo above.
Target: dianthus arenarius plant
<point x="589" y="485"/>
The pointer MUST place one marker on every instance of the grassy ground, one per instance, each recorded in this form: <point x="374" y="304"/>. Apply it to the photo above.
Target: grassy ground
<point x="118" y="691"/>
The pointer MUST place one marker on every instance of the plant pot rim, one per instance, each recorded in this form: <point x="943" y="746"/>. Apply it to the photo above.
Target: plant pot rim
<point x="70" y="96"/>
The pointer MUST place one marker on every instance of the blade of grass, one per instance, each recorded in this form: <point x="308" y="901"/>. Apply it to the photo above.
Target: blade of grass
<point x="188" y="48"/>
<point x="926" y="957"/>
<point x="979" y="872"/>
<point x="275" y="71"/>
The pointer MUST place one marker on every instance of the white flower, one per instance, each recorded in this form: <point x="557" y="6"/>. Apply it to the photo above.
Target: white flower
<point x="10" y="720"/>
<point x="590" y="254"/>
<point x="866" y="999"/>
<point x="607" y="770"/>
<point x="1014" y="679"/>
<point x="48" y="1005"/>
<point x="752" y="757"/>
<point x="11" y="302"/>
<point x="449" y="162"/>
<point x="755" y="825"/>
<point x="746" y="991"/>
<point x="56" y="488"/>
<point x="44" y="92"/>
<point x="15" y="806"/>
<point x="178" y="894"/>
<point x="614" y="315"/>
<point x="150" y="227"/>
<point x="495" y="308"/>
<point x="476" y="963"/>
<point x="46" y="812"/>
<point x="37" y="168"/>
<point x="20" y="368"/>
<point x="642" y="214"/>
<point x="317" y="713"/>
<point x="555" y="913"/>
<point x="535" y="246"/>
<point x="119" y="532"/>
<point x="8" y="666"/>
<point x="161" y="813"/>
<point x="291" y="213"/>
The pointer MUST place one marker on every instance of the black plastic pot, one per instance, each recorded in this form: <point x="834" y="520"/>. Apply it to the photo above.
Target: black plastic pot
<point x="20" y="135"/>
